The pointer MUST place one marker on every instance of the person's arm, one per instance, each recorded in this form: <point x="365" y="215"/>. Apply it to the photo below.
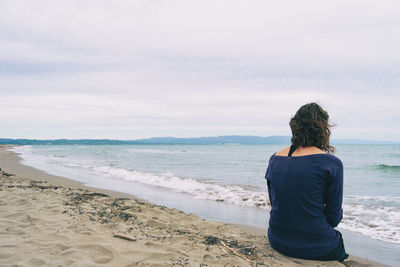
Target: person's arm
<point x="269" y="191"/>
<point x="334" y="197"/>
<point x="268" y="185"/>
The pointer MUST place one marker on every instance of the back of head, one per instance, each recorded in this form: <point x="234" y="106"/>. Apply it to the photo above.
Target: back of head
<point x="310" y="127"/>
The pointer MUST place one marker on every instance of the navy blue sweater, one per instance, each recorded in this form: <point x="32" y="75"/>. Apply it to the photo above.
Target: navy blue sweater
<point x="306" y="204"/>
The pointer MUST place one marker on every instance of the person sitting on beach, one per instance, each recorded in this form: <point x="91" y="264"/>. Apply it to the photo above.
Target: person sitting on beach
<point x="305" y="187"/>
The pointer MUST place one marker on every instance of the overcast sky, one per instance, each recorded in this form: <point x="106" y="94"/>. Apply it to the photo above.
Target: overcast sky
<point x="133" y="69"/>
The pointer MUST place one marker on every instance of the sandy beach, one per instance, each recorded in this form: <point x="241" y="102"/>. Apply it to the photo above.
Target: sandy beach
<point x="47" y="220"/>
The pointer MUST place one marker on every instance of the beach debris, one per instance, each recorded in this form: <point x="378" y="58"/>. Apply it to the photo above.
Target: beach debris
<point x="248" y="251"/>
<point x="182" y="231"/>
<point x="34" y="184"/>
<point x="211" y="240"/>
<point x="117" y="202"/>
<point x="126" y="216"/>
<point x="125" y="237"/>
<point x="234" y="251"/>
<point x="7" y="174"/>
<point x="86" y="196"/>
<point x="241" y="251"/>
<point x="179" y="261"/>
<point x="38" y="184"/>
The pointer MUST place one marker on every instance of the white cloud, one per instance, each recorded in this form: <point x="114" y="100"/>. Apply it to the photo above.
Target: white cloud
<point x="196" y="68"/>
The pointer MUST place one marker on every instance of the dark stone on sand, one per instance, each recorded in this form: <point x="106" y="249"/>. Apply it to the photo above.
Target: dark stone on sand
<point x="182" y="232"/>
<point x="126" y="216"/>
<point x="211" y="240"/>
<point x="248" y="251"/>
<point x="117" y="201"/>
<point x="232" y="243"/>
<point x="7" y="174"/>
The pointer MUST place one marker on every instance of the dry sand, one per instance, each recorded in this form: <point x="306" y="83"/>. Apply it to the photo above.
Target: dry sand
<point x="47" y="220"/>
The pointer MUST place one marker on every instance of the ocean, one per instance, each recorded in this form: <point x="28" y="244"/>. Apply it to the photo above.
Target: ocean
<point x="226" y="183"/>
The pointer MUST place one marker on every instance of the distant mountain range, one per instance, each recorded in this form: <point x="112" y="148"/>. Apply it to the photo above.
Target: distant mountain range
<point x="227" y="139"/>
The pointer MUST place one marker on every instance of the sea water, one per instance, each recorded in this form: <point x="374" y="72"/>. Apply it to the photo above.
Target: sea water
<point x="226" y="183"/>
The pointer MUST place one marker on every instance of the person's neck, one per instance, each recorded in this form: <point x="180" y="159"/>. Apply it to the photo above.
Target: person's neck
<point x="309" y="150"/>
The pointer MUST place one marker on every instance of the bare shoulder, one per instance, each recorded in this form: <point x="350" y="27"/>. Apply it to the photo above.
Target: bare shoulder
<point x="311" y="150"/>
<point x="283" y="152"/>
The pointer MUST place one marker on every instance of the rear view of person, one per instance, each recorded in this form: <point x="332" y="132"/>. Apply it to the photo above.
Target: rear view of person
<point x="305" y="187"/>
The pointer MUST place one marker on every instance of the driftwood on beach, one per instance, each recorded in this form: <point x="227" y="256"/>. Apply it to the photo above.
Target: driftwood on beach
<point x="130" y="238"/>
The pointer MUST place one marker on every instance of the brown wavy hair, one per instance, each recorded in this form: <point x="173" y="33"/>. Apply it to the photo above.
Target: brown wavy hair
<point x="310" y="127"/>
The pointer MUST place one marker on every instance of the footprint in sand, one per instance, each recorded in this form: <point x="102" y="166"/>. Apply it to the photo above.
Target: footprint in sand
<point x="36" y="262"/>
<point x="79" y="229"/>
<point x="98" y="253"/>
<point x="56" y="248"/>
<point x="13" y="230"/>
<point x="22" y="202"/>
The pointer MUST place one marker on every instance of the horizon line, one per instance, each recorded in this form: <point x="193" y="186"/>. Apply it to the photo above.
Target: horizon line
<point x="197" y="137"/>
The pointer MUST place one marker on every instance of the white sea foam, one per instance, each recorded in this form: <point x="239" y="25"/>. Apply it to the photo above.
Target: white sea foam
<point x="375" y="216"/>
<point x="224" y="193"/>
<point x="229" y="194"/>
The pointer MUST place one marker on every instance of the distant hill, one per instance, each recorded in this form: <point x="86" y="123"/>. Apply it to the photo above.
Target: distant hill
<point x="227" y="139"/>
<point x="62" y="142"/>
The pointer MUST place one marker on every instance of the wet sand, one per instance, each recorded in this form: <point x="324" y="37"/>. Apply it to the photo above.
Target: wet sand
<point x="47" y="220"/>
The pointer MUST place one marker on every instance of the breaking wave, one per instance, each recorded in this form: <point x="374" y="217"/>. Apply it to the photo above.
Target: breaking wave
<point x="388" y="168"/>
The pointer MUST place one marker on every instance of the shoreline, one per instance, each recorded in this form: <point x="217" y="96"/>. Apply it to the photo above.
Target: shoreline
<point x="162" y="222"/>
